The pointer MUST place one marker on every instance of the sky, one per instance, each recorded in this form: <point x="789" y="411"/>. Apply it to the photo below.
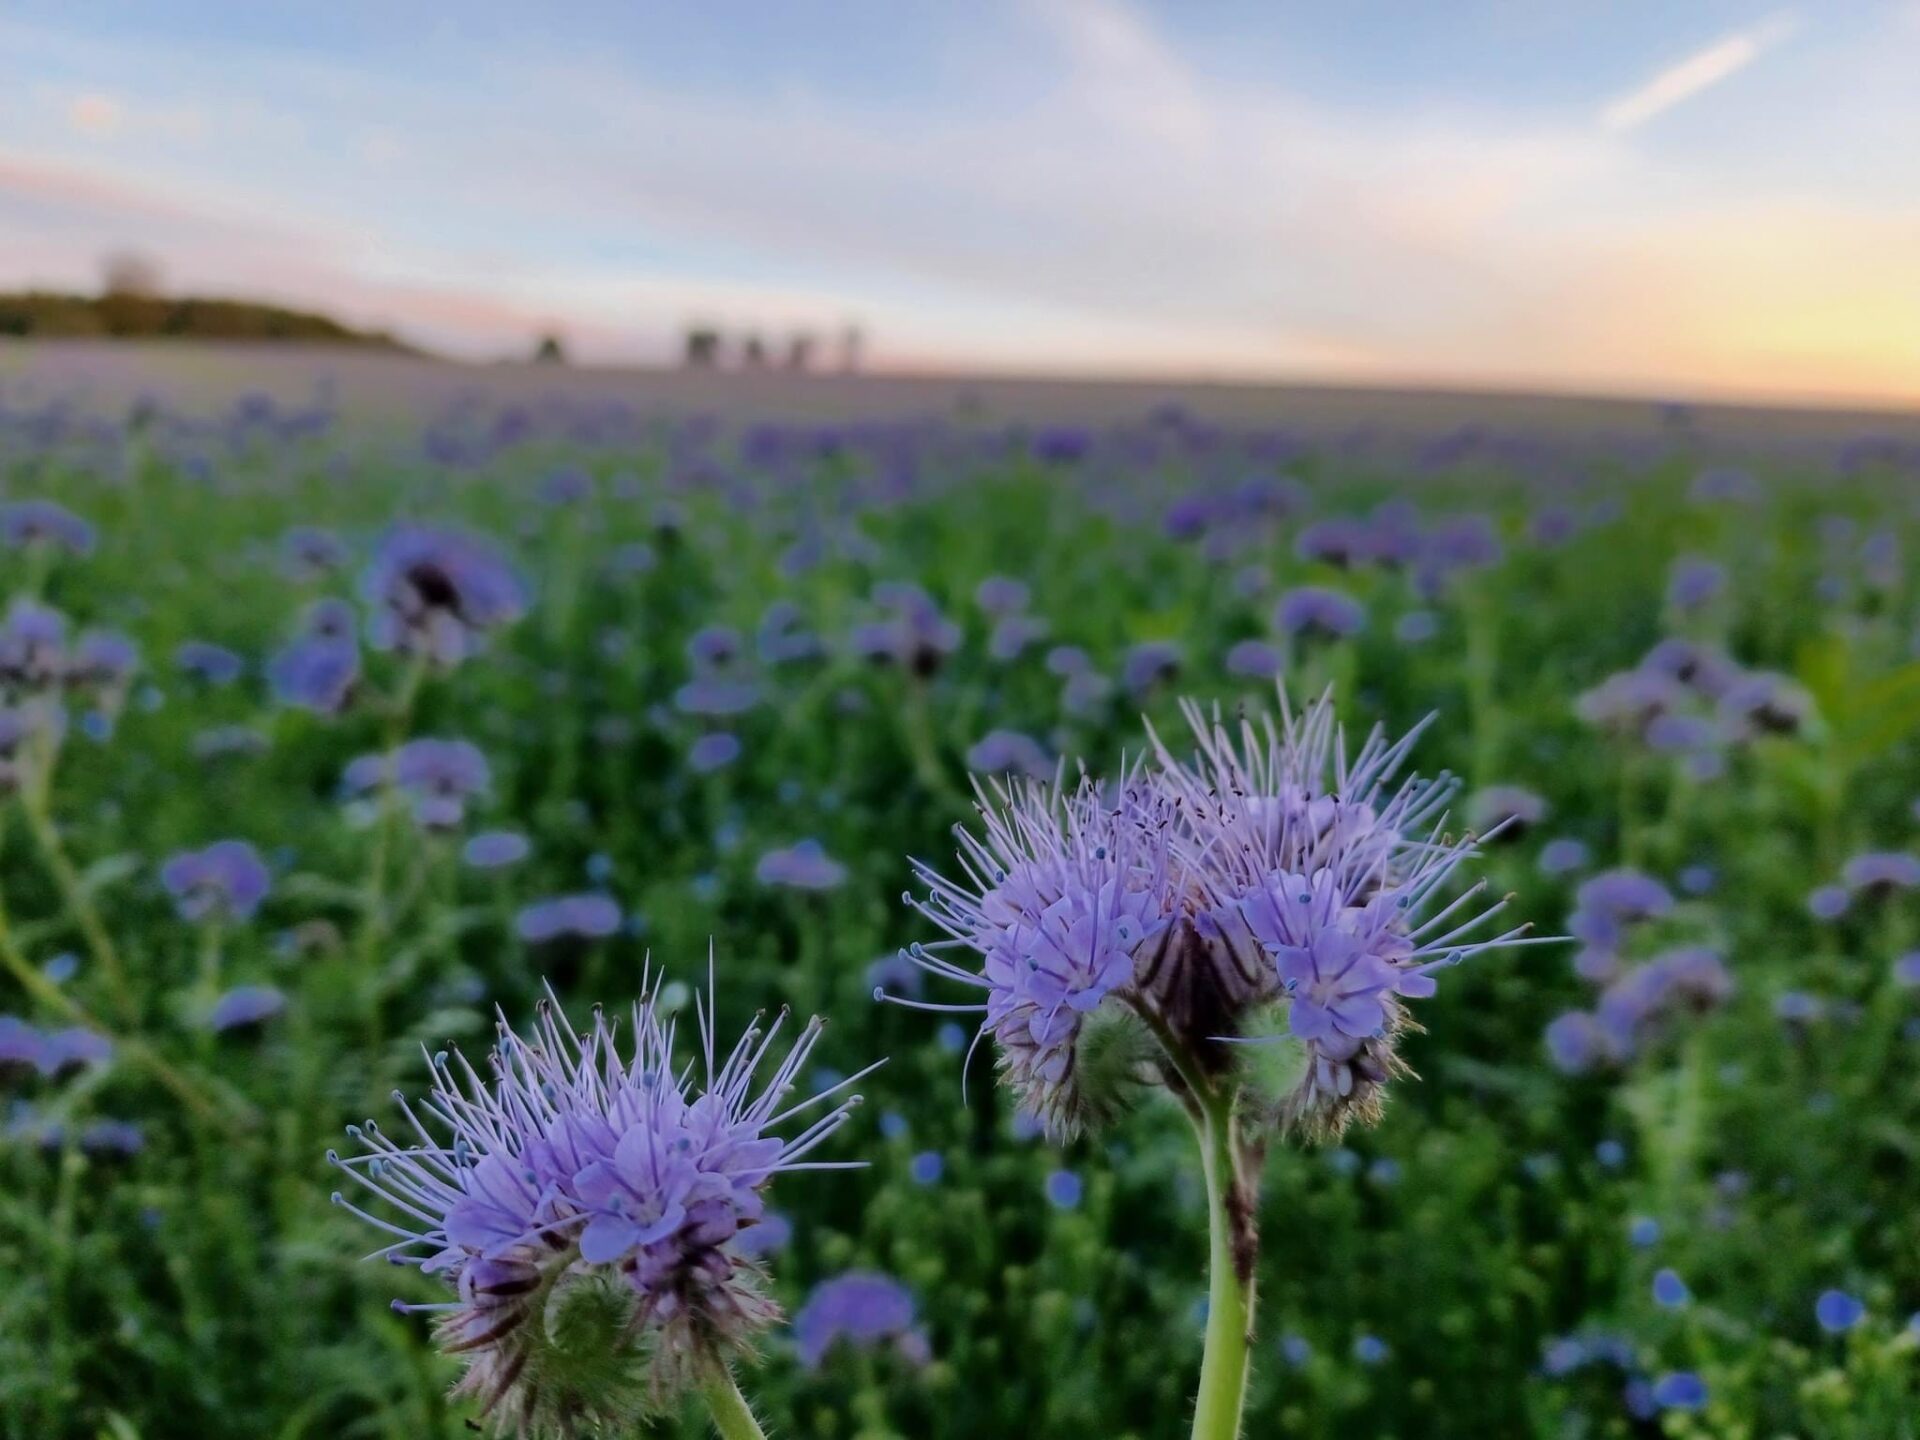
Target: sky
<point x="1707" y="198"/>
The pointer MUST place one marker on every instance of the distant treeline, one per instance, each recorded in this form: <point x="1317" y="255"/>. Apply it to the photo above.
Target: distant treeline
<point x="44" y="315"/>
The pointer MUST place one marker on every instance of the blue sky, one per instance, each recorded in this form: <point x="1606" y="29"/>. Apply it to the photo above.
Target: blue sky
<point x="1714" y="197"/>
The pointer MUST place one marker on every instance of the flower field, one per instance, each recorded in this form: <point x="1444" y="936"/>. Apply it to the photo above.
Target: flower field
<point x="342" y="731"/>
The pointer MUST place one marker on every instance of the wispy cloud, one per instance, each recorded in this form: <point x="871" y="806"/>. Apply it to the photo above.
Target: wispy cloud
<point x="1699" y="72"/>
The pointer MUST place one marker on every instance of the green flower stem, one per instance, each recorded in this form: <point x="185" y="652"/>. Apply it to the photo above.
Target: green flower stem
<point x="73" y="893"/>
<point x="732" y="1416"/>
<point x="1224" y="1366"/>
<point x="373" y="916"/>
<point x="57" y="1000"/>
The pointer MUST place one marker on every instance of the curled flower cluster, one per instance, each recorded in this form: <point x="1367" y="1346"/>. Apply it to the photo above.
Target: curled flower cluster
<point x="438" y="778"/>
<point x="1272" y="874"/>
<point x="1693" y="701"/>
<point x="437" y="593"/>
<point x="588" y="1208"/>
<point x="1636" y="1006"/>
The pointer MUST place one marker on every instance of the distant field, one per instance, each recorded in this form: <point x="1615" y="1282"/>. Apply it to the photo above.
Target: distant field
<point x="185" y="370"/>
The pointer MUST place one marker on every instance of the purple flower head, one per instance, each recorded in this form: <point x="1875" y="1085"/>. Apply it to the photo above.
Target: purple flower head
<point x="1576" y="1044"/>
<point x="1255" y="660"/>
<point x="1001" y="595"/>
<point x="1315" y="611"/>
<point x="438" y="592"/>
<point x="1695" y="583"/>
<point x="1626" y="702"/>
<point x="861" y="1309"/>
<point x="63" y="1052"/>
<point x="1327" y="862"/>
<point x="1881" y="872"/>
<point x="713" y="751"/>
<point x="715" y="648"/>
<point x="33" y="648"/>
<point x="1828" y="902"/>
<point x="1344" y="541"/>
<point x="42" y="524"/>
<point x="1008" y="752"/>
<point x="1761" y="703"/>
<point x="716" y="696"/>
<point x="225" y="881"/>
<point x="496" y="850"/>
<point x="309" y="553"/>
<point x="1702" y="670"/>
<point x="1459" y="543"/>
<point x="1906" y="971"/>
<point x="1613" y="901"/>
<point x="245" y="1007"/>
<point x="568" y="917"/>
<point x="803" y="865"/>
<point x="1563" y="856"/>
<point x="320" y="670"/>
<point x="438" y="778"/>
<point x="1061" y="891"/>
<point x="1505" y="812"/>
<point x="586" y="1206"/>
<point x="103" y="661"/>
<point x="1638" y="1003"/>
<point x="914" y="635"/>
<point x="22" y="1048"/>
<point x="1013" y="635"/>
<point x="214" y="664"/>
<point x="782" y="638"/>
<point x="1274" y="869"/>
<point x="1148" y="665"/>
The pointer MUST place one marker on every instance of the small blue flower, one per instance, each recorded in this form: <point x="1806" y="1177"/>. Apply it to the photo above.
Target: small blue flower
<point x="496" y="850"/>
<point x="1838" y="1312"/>
<point x="1371" y="1350"/>
<point x="927" y="1167"/>
<point x="1680" y="1390"/>
<point x="1670" y="1291"/>
<point x="1064" y="1190"/>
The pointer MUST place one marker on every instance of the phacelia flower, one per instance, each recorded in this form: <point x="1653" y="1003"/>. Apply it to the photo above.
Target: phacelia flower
<point x="587" y="1208"/>
<point x="1508" y="810"/>
<point x="245" y="1007"/>
<point x="1314" y="610"/>
<point x="580" y="917"/>
<point x="439" y="592"/>
<point x="861" y="1309"/>
<point x="226" y="881"/>
<point x="203" y="660"/>
<point x="915" y="636"/>
<point x="320" y="669"/>
<point x="438" y="777"/>
<point x="43" y="524"/>
<point x="495" y="850"/>
<point x="1272" y="871"/>
<point x="803" y="865"/>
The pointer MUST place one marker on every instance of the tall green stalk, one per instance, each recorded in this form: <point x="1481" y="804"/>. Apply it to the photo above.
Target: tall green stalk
<point x="732" y="1416"/>
<point x="1230" y="1286"/>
